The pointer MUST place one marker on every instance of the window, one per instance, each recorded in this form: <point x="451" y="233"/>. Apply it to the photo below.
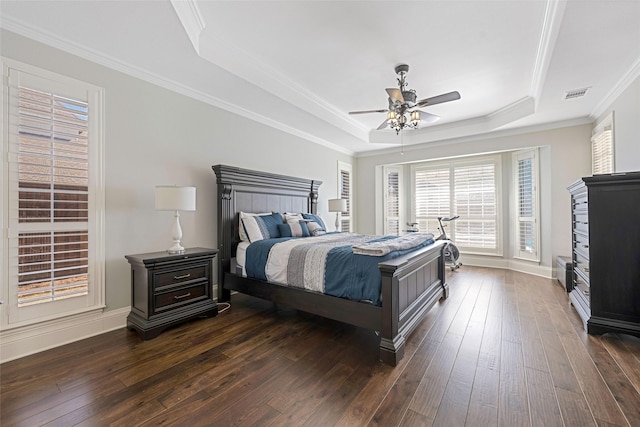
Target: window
<point x="602" y="147"/>
<point x="345" y="192"/>
<point x="432" y="191"/>
<point x="55" y="204"/>
<point x="526" y="198"/>
<point x="469" y="188"/>
<point x="392" y="199"/>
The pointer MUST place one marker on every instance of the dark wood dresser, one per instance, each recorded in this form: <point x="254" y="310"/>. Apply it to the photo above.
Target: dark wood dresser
<point x="167" y="289"/>
<point x="606" y="252"/>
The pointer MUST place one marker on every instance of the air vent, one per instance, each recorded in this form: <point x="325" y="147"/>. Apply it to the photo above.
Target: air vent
<point x="576" y="93"/>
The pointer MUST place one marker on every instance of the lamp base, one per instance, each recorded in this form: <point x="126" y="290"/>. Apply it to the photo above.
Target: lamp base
<point x="175" y="249"/>
<point x="176" y="235"/>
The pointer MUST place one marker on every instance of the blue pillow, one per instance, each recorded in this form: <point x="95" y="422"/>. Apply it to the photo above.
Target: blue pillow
<point x="315" y="218"/>
<point x="293" y="229"/>
<point x="262" y="227"/>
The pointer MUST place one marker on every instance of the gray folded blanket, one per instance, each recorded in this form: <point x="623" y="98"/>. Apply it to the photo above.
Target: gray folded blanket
<point x="400" y="243"/>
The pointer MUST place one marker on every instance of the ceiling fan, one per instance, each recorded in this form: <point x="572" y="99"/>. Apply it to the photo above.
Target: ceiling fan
<point x="402" y="102"/>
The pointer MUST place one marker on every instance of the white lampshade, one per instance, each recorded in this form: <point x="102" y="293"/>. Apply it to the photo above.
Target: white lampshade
<point x="175" y="198"/>
<point x="337" y="205"/>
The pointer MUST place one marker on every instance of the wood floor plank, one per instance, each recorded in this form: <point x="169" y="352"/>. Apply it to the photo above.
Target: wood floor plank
<point x="428" y="395"/>
<point x="619" y="351"/>
<point x="574" y="408"/>
<point x="513" y="409"/>
<point x="505" y="348"/>
<point x="437" y="322"/>
<point x="543" y="403"/>
<point x="601" y="402"/>
<point x="457" y="394"/>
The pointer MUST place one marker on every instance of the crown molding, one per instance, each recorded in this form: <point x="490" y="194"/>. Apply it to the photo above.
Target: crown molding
<point x="461" y="128"/>
<point x="218" y="48"/>
<point x="623" y="84"/>
<point x="99" y="58"/>
<point x="554" y="12"/>
<point x="191" y="19"/>
<point x="479" y="136"/>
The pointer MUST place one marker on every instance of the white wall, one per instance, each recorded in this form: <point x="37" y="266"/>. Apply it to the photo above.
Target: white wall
<point x="155" y="136"/>
<point x="626" y="108"/>
<point x="565" y="156"/>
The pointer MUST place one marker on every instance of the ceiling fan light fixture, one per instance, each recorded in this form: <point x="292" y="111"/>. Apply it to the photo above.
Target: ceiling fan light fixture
<point x="401" y="100"/>
<point x="415" y="118"/>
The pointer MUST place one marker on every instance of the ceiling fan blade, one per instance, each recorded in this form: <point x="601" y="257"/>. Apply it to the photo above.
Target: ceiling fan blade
<point x="445" y="97"/>
<point x="368" y="111"/>
<point x="382" y="125"/>
<point x="428" y="117"/>
<point x="395" y="95"/>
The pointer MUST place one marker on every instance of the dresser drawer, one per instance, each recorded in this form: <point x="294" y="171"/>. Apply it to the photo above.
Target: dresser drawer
<point x="581" y="222"/>
<point x="181" y="275"/>
<point x="186" y="295"/>
<point x="580" y="201"/>
<point x="581" y="244"/>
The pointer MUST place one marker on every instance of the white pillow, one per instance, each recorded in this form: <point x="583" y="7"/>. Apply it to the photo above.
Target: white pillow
<point x="292" y="217"/>
<point x="315" y="229"/>
<point x="259" y="227"/>
<point x="243" y="234"/>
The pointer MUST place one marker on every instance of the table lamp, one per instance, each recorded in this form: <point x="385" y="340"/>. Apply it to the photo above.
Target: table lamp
<point x="175" y="198"/>
<point x="337" y="206"/>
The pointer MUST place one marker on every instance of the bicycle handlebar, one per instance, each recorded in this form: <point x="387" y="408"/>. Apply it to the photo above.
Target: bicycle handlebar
<point x="446" y="218"/>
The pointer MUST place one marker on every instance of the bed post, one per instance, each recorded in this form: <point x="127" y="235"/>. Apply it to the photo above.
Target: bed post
<point x="391" y="342"/>
<point x="225" y="231"/>
<point x="313" y="197"/>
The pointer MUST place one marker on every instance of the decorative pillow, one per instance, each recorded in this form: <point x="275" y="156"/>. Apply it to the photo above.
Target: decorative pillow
<point x="294" y="229"/>
<point x="292" y="217"/>
<point x="315" y="229"/>
<point x="241" y="232"/>
<point x="261" y="227"/>
<point x="315" y="218"/>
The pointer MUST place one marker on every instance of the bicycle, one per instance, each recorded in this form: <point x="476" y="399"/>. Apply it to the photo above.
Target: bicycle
<point x="451" y="252"/>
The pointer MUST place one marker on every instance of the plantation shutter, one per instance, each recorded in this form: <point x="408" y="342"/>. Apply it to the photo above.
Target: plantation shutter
<point x="344" y="190"/>
<point x="432" y="190"/>
<point x="392" y="201"/>
<point x="52" y="213"/>
<point x="53" y="196"/>
<point x="526" y="201"/>
<point x="475" y="202"/>
<point x="602" y="151"/>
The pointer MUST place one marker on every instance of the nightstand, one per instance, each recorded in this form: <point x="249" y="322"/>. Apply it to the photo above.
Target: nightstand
<point x="167" y="289"/>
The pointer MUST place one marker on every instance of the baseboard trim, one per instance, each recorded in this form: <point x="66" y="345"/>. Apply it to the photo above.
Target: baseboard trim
<point x="508" y="264"/>
<point x="23" y="341"/>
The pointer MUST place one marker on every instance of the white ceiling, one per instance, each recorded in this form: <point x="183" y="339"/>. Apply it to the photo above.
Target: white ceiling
<point x="301" y="66"/>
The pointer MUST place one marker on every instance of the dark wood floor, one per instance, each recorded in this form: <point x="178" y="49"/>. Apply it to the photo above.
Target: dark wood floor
<point x="505" y="349"/>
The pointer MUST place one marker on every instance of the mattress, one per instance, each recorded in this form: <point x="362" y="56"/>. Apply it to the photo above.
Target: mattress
<point x="241" y="258"/>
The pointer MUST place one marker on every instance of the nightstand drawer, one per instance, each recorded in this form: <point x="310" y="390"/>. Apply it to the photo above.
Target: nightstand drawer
<point x="173" y="277"/>
<point x="180" y="296"/>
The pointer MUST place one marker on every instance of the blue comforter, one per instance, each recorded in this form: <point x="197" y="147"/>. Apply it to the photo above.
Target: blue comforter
<point x="324" y="263"/>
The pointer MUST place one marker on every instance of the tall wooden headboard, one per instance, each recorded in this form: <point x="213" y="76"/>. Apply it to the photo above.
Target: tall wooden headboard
<point x="243" y="190"/>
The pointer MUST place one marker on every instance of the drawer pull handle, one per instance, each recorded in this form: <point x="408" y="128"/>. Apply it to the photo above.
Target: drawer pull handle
<point x="188" y="294"/>
<point x="184" y="276"/>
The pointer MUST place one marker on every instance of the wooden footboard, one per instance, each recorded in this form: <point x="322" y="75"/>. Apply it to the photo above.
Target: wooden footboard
<point x="411" y="285"/>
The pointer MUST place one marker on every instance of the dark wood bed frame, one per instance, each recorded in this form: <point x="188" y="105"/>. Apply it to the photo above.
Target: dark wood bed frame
<point x="411" y="284"/>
